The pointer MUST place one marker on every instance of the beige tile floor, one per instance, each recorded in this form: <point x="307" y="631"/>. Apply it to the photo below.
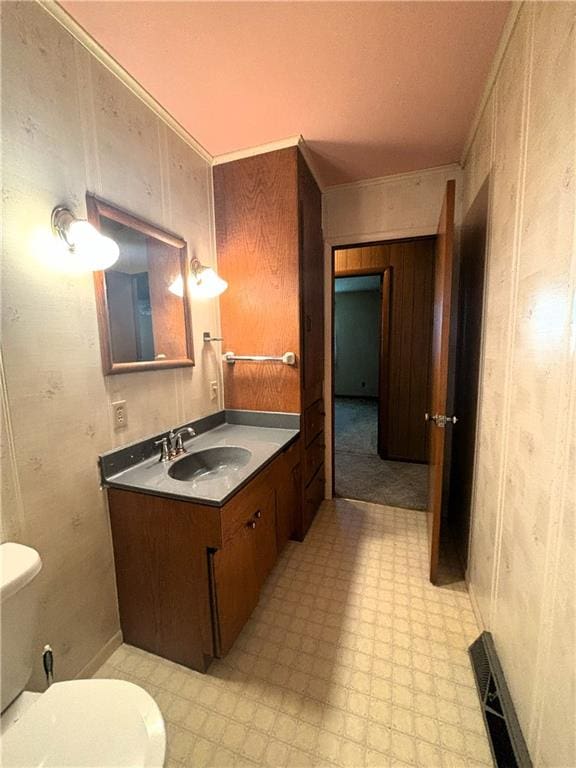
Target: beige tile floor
<point x="351" y="659"/>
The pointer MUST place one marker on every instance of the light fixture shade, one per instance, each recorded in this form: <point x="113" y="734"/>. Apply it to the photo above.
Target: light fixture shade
<point x="203" y="283"/>
<point x="93" y="250"/>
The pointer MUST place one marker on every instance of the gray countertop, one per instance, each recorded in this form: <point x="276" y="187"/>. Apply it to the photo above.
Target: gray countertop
<point x="151" y="475"/>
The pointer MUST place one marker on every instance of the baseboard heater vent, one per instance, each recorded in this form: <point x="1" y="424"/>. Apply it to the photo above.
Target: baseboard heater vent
<point x="506" y="740"/>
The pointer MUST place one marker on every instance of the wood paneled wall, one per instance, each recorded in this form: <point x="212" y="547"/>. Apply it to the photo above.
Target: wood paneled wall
<point x="256" y="203"/>
<point x="412" y="275"/>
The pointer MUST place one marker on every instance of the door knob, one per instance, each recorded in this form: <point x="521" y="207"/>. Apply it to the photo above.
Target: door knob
<point x="258" y="515"/>
<point x="440" y="420"/>
<point x="251" y="524"/>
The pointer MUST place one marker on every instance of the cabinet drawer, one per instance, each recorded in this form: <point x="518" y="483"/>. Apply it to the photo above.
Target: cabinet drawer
<point x="313" y="497"/>
<point x="314" y="457"/>
<point x="292" y="454"/>
<point x="240" y="509"/>
<point x="313" y="421"/>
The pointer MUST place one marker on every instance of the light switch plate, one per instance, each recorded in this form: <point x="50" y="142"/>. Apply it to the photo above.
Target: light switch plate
<point x="213" y="390"/>
<point x="120" y="414"/>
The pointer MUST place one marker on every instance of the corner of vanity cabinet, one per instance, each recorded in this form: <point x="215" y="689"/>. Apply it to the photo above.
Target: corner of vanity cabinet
<point x="162" y="577"/>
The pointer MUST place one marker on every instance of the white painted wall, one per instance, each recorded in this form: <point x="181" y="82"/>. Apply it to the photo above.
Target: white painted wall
<point x="70" y="125"/>
<point x="522" y="558"/>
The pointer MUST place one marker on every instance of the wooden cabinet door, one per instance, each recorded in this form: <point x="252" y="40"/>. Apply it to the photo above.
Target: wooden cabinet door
<point x="265" y="548"/>
<point x="311" y="284"/>
<point x="288" y="505"/>
<point x="236" y="586"/>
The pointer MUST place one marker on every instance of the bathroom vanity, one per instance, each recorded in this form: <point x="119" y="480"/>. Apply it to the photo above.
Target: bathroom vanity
<point x="192" y="554"/>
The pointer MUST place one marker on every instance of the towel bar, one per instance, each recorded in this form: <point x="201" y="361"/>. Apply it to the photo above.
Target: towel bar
<point x="288" y="358"/>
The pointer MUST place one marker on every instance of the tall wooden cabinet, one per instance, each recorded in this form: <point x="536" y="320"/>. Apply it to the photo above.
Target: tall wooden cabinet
<point x="268" y="212"/>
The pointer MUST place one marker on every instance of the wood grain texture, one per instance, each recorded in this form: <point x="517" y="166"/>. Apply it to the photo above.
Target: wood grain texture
<point x="236" y="584"/>
<point x="168" y="312"/>
<point x="189" y="575"/>
<point x="410" y="324"/>
<point x="256" y="209"/>
<point x="442" y="345"/>
<point x="162" y="574"/>
<point x="241" y="567"/>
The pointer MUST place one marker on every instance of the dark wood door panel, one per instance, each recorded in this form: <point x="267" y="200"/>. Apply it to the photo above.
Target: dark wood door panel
<point x="162" y="577"/>
<point x="311" y="281"/>
<point x="236" y="586"/>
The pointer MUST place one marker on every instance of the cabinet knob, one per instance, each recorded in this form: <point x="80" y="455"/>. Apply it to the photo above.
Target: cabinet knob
<point x="258" y="515"/>
<point x="251" y="524"/>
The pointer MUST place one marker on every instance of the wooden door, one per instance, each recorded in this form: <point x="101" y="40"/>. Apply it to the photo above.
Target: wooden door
<point x="471" y="269"/>
<point x="236" y="585"/>
<point x="440" y="415"/>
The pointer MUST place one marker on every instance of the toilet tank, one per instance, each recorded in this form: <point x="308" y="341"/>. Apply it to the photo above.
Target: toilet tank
<point x="19" y="607"/>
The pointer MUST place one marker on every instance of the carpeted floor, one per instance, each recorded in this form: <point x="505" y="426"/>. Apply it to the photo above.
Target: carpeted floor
<point x="360" y="472"/>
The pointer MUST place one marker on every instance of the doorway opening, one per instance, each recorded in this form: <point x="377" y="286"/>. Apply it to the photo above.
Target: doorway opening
<point x="383" y="315"/>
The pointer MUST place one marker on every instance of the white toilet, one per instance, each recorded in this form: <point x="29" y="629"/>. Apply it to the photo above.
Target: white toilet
<point x="81" y="723"/>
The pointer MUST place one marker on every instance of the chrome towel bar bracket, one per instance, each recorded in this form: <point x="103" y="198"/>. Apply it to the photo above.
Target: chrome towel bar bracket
<point x="288" y="358"/>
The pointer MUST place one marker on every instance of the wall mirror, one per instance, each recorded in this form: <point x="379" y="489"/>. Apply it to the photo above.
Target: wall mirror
<point x="143" y="324"/>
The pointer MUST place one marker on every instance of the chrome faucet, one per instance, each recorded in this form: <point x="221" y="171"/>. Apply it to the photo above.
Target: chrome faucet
<point x="176" y="444"/>
<point x="172" y="445"/>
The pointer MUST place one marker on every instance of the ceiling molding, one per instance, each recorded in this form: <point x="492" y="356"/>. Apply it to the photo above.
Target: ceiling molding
<point x="88" y="42"/>
<point x="311" y="163"/>
<point x="395" y="177"/>
<point x="259" y="149"/>
<point x="492" y="75"/>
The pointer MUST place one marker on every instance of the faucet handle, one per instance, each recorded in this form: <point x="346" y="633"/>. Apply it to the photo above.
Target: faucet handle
<point x="178" y="444"/>
<point x="165" y="451"/>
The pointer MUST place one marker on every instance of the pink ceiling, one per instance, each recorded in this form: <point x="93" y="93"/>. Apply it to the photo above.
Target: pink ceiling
<point x="374" y="87"/>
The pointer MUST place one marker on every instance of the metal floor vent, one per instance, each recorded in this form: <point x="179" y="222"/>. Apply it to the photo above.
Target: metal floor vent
<point x="506" y="740"/>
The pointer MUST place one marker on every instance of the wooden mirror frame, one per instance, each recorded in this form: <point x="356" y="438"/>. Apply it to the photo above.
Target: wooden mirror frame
<point x="97" y="208"/>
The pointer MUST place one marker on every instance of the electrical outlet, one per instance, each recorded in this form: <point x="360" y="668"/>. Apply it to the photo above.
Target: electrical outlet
<point x="213" y="390"/>
<point x="120" y="414"/>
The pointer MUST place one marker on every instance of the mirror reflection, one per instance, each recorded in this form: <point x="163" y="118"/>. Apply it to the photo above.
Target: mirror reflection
<point x="143" y="324"/>
<point x="128" y="296"/>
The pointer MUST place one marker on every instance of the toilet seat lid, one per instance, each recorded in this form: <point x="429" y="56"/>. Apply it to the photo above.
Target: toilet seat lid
<point x="82" y="723"/>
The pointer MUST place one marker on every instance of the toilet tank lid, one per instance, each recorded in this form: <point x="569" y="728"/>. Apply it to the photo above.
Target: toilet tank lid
<point x="18" y="565"/>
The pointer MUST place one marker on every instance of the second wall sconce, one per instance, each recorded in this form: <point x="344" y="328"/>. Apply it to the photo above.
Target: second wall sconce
<point x="203" y="282"/>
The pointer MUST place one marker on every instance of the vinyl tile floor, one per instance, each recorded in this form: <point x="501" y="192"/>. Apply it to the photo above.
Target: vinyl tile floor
<point x="352" y="658"/>
<point x="360" y="472"/>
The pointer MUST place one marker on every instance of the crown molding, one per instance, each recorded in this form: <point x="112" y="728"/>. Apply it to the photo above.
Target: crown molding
<point x="492" y="76"/>
<point x="395" y="177"/>
<point x="88" y="42"/>
<point x="259" y="149"/>
<point x="311" y="163"/>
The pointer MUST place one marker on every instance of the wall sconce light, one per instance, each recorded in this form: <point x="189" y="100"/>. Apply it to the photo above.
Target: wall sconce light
<point x="203" y="282"/>
<point x="95" y="251"/>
